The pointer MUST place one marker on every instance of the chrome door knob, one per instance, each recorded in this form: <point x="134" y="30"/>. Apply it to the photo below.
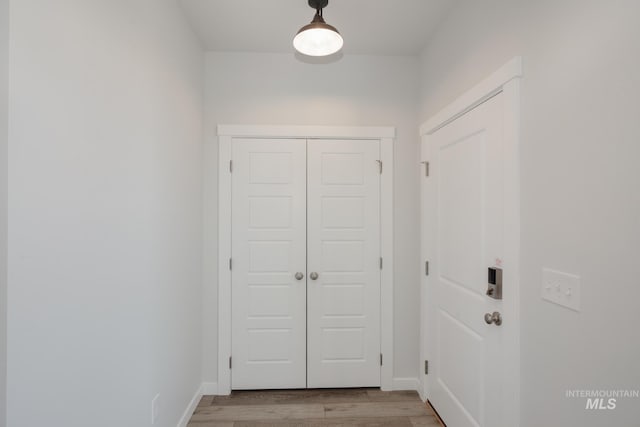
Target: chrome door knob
<point x="494" y="318"/>
<point x="299" y="276"/>
<point x="314" y="276"/>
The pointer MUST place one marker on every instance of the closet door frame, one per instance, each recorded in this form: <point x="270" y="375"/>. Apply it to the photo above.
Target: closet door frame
<point x="226" y="135"/>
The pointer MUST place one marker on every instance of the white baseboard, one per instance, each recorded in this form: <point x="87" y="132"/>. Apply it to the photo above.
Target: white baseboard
<point x="422" y="391"/>
<point x="406" y="384"/>
<point x="186" y="416"/>
<point x="210" y="389"/>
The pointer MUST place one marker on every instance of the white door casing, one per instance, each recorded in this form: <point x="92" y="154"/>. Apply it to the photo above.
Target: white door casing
<point x="269" y="239"/>
<point x="227" y="136"/>
<point x="470" y="221"/>
<point x="343" y="229"/>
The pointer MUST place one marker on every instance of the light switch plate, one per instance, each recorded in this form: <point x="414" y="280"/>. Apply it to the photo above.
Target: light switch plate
<point x="561" y="288"/>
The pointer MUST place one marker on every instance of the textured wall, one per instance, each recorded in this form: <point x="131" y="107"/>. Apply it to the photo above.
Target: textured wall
<point x="580" y="198"/>
<point x="356" y="90"/>
<point x="105" y="213"/>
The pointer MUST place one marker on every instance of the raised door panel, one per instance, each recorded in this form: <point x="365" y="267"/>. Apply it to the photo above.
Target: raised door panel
<point x="268" y="249"/>
<point x="343" y="211"/>
<point x="466" y="198"/>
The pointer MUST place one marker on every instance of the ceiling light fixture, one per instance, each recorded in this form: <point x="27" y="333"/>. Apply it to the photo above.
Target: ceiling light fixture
<point x="318" y="38"/>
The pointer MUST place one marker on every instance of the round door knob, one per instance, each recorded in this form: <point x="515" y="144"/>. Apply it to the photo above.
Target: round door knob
<point x="494" y="318"/>
<point x="299" y="276"/>
<point x="313" y="275"/>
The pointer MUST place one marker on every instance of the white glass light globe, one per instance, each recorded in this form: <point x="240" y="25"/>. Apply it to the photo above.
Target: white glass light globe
<point x="318" y="39"/>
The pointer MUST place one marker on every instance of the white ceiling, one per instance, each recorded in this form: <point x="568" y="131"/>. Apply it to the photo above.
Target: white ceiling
<point x="378" y="27"/>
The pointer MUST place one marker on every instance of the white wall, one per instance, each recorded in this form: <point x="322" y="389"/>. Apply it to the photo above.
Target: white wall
<point x="4" y="115"/>
<point x="357" y="90"/>
<point x="104" y="213"/>
<point x="580" y="177"/>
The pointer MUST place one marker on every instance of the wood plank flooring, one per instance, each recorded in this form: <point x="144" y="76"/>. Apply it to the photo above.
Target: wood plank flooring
<point x="314" y="408"/>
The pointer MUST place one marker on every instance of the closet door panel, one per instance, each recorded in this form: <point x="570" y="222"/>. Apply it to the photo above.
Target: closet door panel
<point x="268" y="249"/>
<point x="343" y="244"/>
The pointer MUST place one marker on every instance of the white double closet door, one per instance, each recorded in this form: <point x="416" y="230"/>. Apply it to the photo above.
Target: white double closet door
<point x="305" y="263"/>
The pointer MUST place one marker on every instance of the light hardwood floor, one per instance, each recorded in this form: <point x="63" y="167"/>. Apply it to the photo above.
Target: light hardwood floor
<point x="314" y="408"/>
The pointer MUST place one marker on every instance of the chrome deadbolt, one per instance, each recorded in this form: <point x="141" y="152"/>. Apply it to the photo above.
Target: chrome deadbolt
<point x="314" y="276"/>
<point x="299" y="276"/>
<point x="494" y="318"/>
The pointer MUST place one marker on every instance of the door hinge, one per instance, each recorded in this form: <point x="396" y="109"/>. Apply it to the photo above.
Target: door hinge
<point x="426" y="168"/>
<point x="426" y="268"/>
<point x="230" y="166"/>
<point x="230" y="264"/>
<point x="380" y="359"/>
<point x="380" y="263"/>
<point x="380" y="164"/>
<point x="230" y="364"/>
<point x="426" y="367"/>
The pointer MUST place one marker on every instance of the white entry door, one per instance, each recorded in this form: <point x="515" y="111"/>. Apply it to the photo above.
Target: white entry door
<point x="305" y="263"/>
<point x="464" y="216"/>
<point x="343" y="244"/>
<point x="268" y="251"/>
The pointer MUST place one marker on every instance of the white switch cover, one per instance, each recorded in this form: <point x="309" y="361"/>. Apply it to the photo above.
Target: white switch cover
<point x="561" y="288"/>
